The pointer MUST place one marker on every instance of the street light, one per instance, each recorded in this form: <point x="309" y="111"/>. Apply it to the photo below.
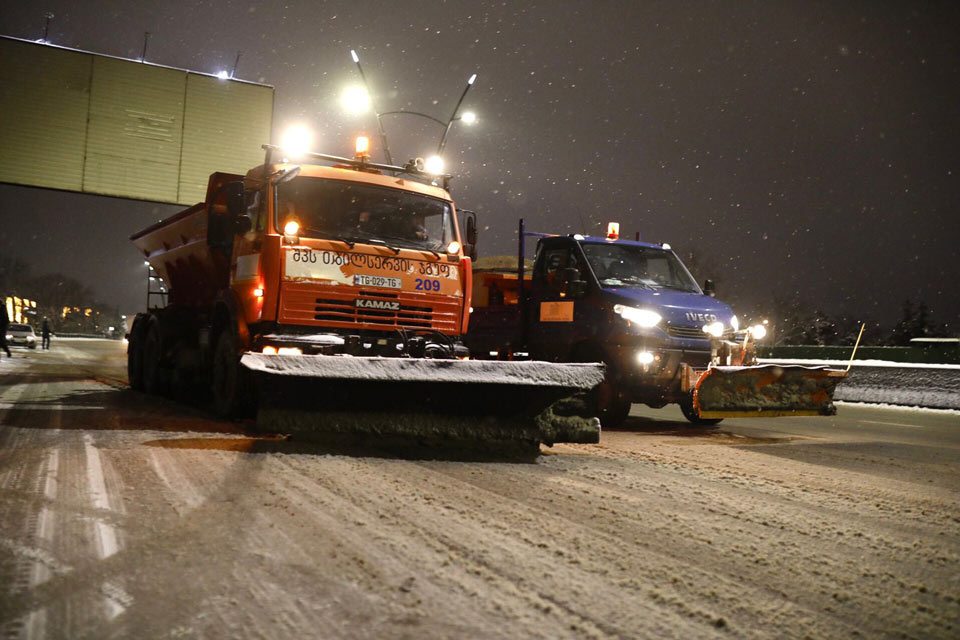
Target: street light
<point x="355" y="100"/>
<point x="468" y="117"/>
<point x="296" y="141"/>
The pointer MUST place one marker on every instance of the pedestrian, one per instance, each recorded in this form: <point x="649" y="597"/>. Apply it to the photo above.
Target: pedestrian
<point x="45" y="332"/>
<point x="4" y="323"/>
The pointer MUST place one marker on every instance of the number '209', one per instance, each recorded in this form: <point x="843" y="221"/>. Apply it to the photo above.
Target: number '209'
<point x="423" y="284"/>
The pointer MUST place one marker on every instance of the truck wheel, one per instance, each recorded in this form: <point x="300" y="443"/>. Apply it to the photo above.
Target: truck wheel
<point x="686" y="407"/>
<point x="231" y="398"/>
<point x="153" y="375"/>
<point x="615" y="413"/>
<point x="612" y="409"/>
<point x="135" y="356"/>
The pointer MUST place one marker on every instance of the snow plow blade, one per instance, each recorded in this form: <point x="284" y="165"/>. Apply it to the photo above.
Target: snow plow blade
<point x="766" y="391"/>
<point x="435" y="402"/>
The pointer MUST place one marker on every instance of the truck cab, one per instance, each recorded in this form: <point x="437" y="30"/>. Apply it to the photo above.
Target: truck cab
<point x="631" y="305"/>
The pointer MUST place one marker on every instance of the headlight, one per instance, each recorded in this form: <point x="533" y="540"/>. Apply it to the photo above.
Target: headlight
<point x="641" y="317"/>
<point x="30" y="339"/>
<point x="9" y="336"/>
<point x="735" y="323"/>
<point x="758" y="331"/>
<point x="715" y="329"/>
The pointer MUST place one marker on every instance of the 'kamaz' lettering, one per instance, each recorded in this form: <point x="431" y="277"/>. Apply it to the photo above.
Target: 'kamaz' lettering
<point x="386" y="305"/>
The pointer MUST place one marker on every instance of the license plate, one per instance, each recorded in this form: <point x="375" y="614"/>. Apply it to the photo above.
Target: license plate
<point x="363" y="280"/>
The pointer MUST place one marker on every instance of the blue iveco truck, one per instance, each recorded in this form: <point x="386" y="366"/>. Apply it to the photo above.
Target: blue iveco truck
<point x="635" y="307"/>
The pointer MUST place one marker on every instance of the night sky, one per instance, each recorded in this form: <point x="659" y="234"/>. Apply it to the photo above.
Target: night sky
<point x="803" y="150"/>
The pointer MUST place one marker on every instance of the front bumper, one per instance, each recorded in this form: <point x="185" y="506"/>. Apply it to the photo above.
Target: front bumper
<point x="651" y="371"/>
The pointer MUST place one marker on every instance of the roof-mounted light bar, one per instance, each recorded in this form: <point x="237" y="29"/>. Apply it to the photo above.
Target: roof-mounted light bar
<point x="411" y="168"/>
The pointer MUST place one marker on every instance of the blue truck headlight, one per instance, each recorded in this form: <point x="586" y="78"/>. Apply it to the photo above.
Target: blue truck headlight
<point x="642" y="317"/>
<point x="714" y="329"/>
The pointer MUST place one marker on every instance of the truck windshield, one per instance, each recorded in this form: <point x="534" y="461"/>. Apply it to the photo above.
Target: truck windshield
<point x="622" y="265"/>
<point x="358" y="212"/>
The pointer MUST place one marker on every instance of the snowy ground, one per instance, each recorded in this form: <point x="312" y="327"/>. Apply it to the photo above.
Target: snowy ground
<point x="128" y="516"/>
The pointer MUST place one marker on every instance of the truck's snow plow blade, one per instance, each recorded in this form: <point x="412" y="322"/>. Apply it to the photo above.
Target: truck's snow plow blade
<point x="436" y="402"/>
<point x="766" y="390"/>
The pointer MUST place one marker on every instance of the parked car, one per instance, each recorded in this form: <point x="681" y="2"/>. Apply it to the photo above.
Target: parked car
<point x="22" y="335"/>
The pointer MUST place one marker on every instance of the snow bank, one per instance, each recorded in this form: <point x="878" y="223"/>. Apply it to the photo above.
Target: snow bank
<point x="934" y="386"/>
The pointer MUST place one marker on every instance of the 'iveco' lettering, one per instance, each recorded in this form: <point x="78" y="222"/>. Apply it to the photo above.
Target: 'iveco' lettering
<point x="385" y="305"/>
<point x="701" y="317"/>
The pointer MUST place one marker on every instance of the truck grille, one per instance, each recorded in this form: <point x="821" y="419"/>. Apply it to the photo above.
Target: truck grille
<point x="407" y="315"/>
<point x="680" y="331"/>
<point x="337" y="308"/>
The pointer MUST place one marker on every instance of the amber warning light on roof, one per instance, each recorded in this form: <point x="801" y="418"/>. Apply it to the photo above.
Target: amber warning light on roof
<point x="363" y="147"/>
<point x="613" y="230"/>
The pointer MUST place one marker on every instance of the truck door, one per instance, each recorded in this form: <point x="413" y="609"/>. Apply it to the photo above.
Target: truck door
<point x="553" y="310"/>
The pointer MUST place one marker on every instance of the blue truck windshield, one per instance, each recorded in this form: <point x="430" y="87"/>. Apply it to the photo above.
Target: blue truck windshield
<point x="359" y="212"/>
<point x="622" y="265"/>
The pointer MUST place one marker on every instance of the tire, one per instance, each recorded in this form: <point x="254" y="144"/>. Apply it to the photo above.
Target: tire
<point x="615" y="414"/>
<point x="154" y="376"/>
<point x="686" y="407"/>
<point x="612" y="409"/>
<point x="231" y="397"/>
<point x="135" y="356"/>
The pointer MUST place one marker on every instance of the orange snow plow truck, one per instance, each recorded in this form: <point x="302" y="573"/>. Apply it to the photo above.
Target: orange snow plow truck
<point x="331" y="297"/>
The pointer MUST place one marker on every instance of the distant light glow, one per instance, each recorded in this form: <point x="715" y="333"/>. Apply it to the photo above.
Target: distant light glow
<point x="468" y="117"/>
<point x="355" y="99"/>
<point x="472" y="79"/>
<point x="296" y="141"/>
<point x="759" y="331"/>
<point x="223" y="75"/>
<point x="433" y="165"/>
<point x="353" y="54"/>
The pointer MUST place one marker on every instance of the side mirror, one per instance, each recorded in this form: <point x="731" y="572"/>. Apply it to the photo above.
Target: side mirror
<point x="236" y="201"/>
<point x="471" y="235"/>
<point x="242" y="224"/>
<point x="709" y="288"/>
<point x="571" y="283"/>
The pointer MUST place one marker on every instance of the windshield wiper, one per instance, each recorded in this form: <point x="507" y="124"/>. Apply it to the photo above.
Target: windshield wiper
<point x="346" y="241"/>
<point x="383" y="243"/>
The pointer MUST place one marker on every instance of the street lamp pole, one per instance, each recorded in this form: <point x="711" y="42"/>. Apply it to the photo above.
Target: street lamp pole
<point x="453" y="116"/>
<point x="383" y="134"/>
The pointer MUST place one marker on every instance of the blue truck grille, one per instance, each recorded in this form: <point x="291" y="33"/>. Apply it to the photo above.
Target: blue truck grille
<point x="681" y="331"/>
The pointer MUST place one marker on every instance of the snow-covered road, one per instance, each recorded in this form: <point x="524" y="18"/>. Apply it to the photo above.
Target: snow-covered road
<point x="128" y="516"/>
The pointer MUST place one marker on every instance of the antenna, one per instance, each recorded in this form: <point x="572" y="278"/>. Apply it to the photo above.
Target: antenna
<point x="146" y="38"/>
<point x="235" y="63"/>
<point x="383" y="133"/>
<point x="46" y="26"/>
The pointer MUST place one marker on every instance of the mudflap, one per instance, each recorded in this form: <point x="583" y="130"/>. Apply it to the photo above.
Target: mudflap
<point x="766" y="391"/>
<point x="464" y="403"/>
